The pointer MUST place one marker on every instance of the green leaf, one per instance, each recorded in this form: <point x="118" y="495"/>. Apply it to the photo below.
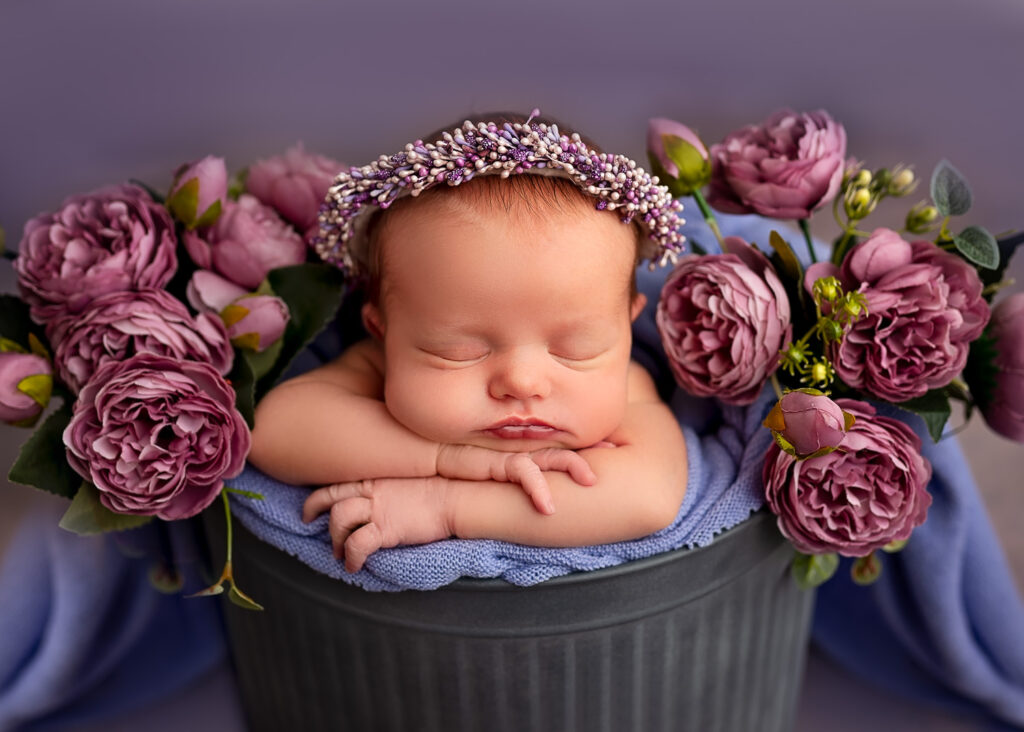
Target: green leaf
<point x="243" y="382"/>
<point x="866" y="570"/>
<point x="43" y="462"/>
<point x="37" y="386"/>
<point x="1007" y="247"/>
<point x="675" y="186"/>
<point x="184" y="202"/>
<point x="261" y="362"/>
<point x="312" y="293"/>
<point x="978" y="246"/>
<point x="896" y="545"/>
<point x="950" y="191"/>
<point x="787" y="258"/>
<point x="241" y="599"/>
<point x="209" y="217"/>
<point x="811" y="570"/>
<point x="86" y="515"/>
<point x="694" y="167"/>
<point x="981" y="372"/>
<point x="933" y="408"/>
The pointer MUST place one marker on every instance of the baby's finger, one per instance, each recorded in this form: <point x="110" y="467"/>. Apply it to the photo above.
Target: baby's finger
<point x="322" y="499"/>
<point x="565" y="461"/>
<point x="362" y="543"/>
<point x="345" y="516"/>
<point x="523" y="470"/>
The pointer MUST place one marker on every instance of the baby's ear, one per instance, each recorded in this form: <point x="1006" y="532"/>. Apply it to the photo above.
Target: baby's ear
<point x="637" y="306"/>
<point x="372" y="321"/>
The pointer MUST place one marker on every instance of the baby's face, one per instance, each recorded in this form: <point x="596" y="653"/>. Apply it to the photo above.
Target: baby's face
<point x="507" y="331"/>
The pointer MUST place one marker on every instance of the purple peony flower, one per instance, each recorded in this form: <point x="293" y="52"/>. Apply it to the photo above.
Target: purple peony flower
<point x="868" y="493"/>
<point x="924" y="309"/>
<point x="808" y="421"/>
<point x="255" y="321"/>
<point x="116" y="238"/>
<point x="783" y="168"/>
<point x="247" y="241"/>
<point x="723" y="319"/>
<point x="206" y="183"/>
<point x="115" y="327"/>
<point x="21" y="401"/>
<point x="1004" y="412"/>
<point x="156" y="436"/>
<point x="293" y="184"/>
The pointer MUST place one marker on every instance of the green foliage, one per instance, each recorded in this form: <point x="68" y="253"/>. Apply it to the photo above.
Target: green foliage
<point x="866" y="570"/>
<point x="933" y="408"/>
<point x="86" y="515"/>
<point x="981" y="370"/>
<point x="243" y="381"/>
<point x="184" y="202"/>
<point x="15" y="322"/>
<point x="1007" y="247"/>
<point x="42" y="462"/>
<point x="811" y="570"/>
<point x="950" y="191"/>
<point x="978" y="246"/>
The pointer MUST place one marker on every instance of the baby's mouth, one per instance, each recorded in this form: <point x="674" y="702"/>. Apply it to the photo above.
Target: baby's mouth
<point x="522" y="429"/>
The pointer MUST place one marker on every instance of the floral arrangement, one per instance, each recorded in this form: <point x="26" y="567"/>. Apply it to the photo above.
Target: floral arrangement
<point x="159" y="321"/>
<point x="891" y="321"/>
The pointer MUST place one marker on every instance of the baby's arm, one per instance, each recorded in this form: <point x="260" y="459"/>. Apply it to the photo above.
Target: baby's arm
<point x="640" y="486"/>
<point x="331" y="425"/>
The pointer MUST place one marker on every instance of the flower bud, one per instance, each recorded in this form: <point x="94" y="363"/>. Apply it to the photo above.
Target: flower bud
<point x="26" y="381"/>
<point x="826" y="289"/>
<point x="807" y="423"/>
<point x="902" y="183"/>
<point x="677" y="155"/>
<point x="199" y="192"/>
<point x="921" y="218"/>
<point x="862" y="179"/>
<point x="859" y="203"/>
<point x="255" y="321"/>
<point x="831" y="331"/>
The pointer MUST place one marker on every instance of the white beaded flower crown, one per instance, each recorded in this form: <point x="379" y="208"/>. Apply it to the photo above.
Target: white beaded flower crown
<point x="490" y="148"/>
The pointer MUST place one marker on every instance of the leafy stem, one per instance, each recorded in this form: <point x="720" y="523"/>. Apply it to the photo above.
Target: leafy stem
<point x="227" y="574"/>
<point x="805" y="227"/>
<point x="705" y="211"/>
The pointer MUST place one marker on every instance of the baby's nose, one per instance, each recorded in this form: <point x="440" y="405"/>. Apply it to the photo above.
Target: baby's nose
<point x="520" y="375"/>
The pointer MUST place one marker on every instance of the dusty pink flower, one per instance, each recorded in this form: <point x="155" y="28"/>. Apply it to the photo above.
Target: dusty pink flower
<point x="247" y="241"/>
<point x="924" y="307"/>
<point x="294" y="184"/>
<point x="784" y="168"/>
<point x="208" y="178"/>
<point x="115" y="327"/>
<point x="17" y="406"/>
<point x="116" y="238"/>
<point x="808" y="420"/>
<point x="1004" y="411"/>
<point x="209" y="292"/>
<point x="255" y="321"/>
<point x="868" y="493"/>
<point x="723" y="319"/>
<point x="156" y="436"/>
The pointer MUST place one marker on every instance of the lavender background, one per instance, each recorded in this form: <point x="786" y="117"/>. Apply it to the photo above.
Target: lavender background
<point x="97" y="92"/>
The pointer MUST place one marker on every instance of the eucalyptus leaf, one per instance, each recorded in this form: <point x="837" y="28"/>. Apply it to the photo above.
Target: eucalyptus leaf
<point x="43" y="462"/>
<point x="811" y="570"/>
<point x="933" y="407"/>
<point x="1007" y="247"/>
<point x="978" y="246"/>
<point x="86" y="515"/>
<point x="950" y="191"/>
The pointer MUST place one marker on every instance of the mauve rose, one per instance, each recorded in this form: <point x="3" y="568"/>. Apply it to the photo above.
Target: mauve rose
<point x="209" y="292"/>
<point x="924" y="307"/>
<point x="247" y="241"/>
<point x="115" y="327"/>
<point x="116" y="238"/>
<point x="1004" y="412"/>
<point x="294" y="184"/>
<point x="211" y="189"/>
<point x="156" y="436"/>
<point x="255" y="321"/>
<point x="723" y="319"/>
<point x="15" y="405"/>
<point x="808" y="420"/>
<point x="868" y="493"/>
<point x="784" y="168"/>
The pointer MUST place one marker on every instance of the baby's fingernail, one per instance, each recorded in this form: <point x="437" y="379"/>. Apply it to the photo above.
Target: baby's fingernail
<point x="549" y="507"/>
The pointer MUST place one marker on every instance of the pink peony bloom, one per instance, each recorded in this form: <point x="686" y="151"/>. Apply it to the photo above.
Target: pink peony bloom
<point x="209" y="292"/>
<point x="293" y="184"/>
<point x="247" y="241"/>
<point x="210" y="176"/>
<point x="723" y="319"/>
<point x="116" y="238"/>
<point x="868" y="493"/>
<point x="255" y="321"/>
<point x="17" y="406"/>
<point x="808" y="420"/>
<point x="117" y="326"/>
<point x="924" y="309"/>
<point x="784" y="168"/>
<point x="1004" y="412"/>
<point x="156" y="436"/>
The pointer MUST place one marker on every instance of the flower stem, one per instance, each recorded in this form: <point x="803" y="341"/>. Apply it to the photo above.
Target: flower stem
<point x="227" y="517"/>
<point x="705" y="211"/>
<point x="776" y="386"/>
<point x="805" y="227"/>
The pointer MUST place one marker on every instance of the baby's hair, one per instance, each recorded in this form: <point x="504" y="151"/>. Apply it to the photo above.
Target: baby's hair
<point x="547" y="195"/>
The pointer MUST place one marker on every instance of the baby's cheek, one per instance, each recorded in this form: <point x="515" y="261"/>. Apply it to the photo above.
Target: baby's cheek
<point x="420" y="403"/>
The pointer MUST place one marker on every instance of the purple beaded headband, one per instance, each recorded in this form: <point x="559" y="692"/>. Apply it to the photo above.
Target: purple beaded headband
<point x="489" y="149"/>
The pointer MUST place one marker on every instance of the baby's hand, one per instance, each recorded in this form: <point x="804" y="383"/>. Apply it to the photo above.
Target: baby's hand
<point x="468" y="462"/>
<point x="368" y="515"/>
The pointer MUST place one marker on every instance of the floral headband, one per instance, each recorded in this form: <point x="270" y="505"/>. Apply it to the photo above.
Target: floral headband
<point x="487" y="148"/>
